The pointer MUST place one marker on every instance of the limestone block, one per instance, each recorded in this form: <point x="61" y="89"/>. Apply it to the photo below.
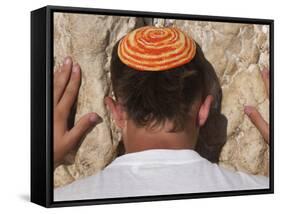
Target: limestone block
<point x="245" y="149"/>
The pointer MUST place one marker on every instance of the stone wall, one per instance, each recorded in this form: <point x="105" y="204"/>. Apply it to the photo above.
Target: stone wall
<point x="234" y="53"/>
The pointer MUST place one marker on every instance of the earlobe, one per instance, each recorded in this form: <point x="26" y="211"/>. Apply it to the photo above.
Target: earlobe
<point x="204" y="110"/>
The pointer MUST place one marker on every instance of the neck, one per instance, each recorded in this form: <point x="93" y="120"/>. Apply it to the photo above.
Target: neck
<point x="139" y="139"/>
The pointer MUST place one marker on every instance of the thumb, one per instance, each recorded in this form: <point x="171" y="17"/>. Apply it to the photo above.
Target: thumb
<point x="84" y="124"/>
<point x="258" y="121"/>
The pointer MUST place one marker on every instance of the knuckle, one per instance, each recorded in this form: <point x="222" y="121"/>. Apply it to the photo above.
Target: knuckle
<point x="72" y="88"/>
<point x="59" y="81"/>
<point x="59" y="112"/>
<point x="70" y="92"/>
<point x="58" y="86"/>
<point x="75" y="79"/>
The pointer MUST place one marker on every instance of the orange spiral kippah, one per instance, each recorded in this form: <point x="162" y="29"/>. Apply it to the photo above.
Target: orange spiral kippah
<point x="152" y="48"/>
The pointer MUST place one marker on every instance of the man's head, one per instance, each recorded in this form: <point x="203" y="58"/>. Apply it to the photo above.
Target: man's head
<point x="170" y="101"/>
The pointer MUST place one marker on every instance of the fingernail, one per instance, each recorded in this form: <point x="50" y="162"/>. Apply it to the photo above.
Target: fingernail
<point x="95" y="119"/>
<point x="248" y="109"/>
<point x="76" y="68"/>
<point x="265" y="71"/>
<point x="67" y="60"/>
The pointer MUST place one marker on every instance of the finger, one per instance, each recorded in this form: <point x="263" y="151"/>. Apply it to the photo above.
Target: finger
<point x="265" y="77"/>
<point x="258" y="121"/>
<point x="81" y="128"/>
<point x="71" y="92"/>
<point x="61" y="77"/>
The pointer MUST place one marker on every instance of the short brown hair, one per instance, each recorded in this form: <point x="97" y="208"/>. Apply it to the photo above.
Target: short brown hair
<point x="150" y="98"/>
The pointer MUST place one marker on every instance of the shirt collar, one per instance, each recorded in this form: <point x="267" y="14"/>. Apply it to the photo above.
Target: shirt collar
<point x="163" y="156"/>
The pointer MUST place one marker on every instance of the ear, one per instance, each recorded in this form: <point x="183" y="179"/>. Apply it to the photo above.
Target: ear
<point x="116" y="111"/>
<point x="204" y="110"/>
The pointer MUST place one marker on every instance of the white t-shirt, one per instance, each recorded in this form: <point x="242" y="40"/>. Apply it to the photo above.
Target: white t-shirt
<point x="158" y="172"/>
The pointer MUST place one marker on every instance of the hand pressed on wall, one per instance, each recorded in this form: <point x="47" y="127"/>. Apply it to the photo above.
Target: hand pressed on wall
<point x="67" y="80"/>
<point x="255" y="116"/>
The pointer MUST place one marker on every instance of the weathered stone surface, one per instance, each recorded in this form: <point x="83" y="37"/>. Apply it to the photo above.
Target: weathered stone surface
<point x="89" y="40"/>
<point x="237" y="53"/>
<point x="245" y="149"/>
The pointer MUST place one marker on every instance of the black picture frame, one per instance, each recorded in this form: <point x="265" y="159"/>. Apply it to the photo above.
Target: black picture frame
<point x="41" y="105"/>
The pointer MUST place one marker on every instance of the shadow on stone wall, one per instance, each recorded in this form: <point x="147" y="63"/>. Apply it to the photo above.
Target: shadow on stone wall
<point x="212" y="136"/>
